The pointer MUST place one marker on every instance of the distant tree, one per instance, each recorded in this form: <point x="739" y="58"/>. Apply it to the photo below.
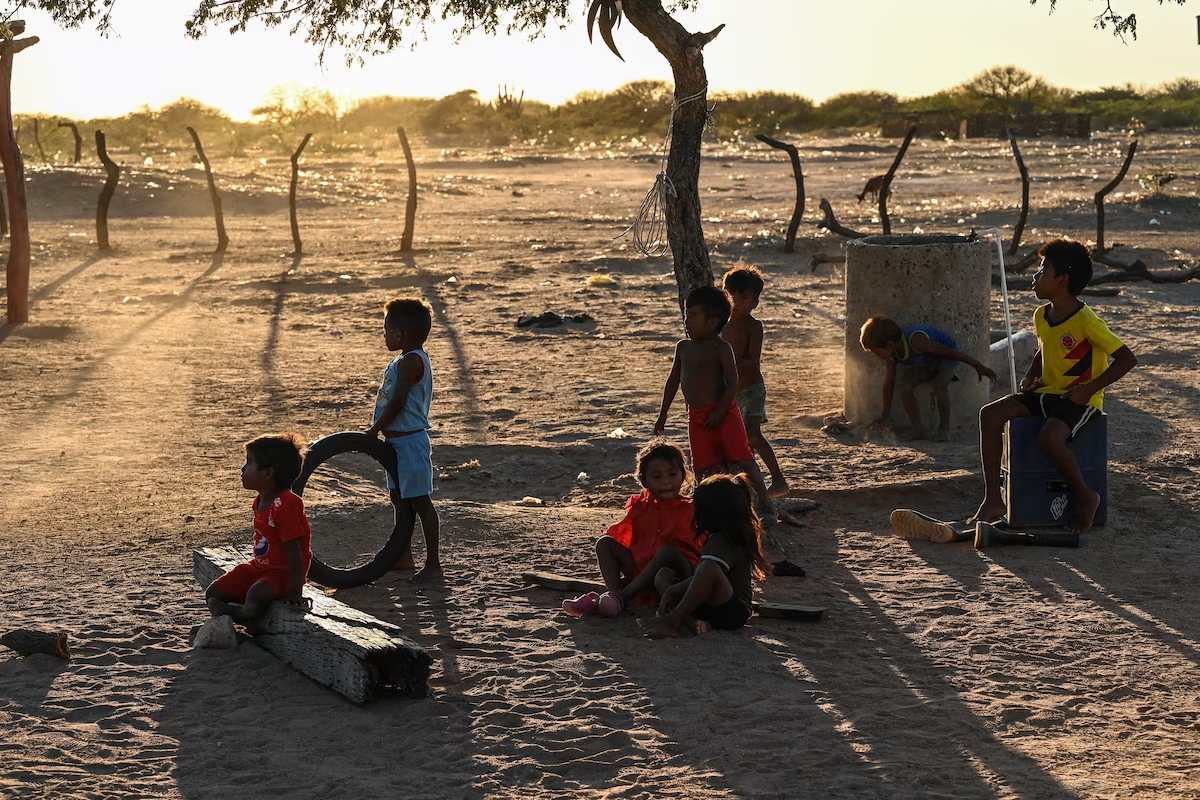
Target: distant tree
<point x="855" y="109"/>
<point x="1005" y="90"/>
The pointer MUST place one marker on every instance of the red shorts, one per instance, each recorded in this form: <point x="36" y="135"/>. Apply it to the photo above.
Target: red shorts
<point x="237" y="582"/>
<point x="725" y="443"/>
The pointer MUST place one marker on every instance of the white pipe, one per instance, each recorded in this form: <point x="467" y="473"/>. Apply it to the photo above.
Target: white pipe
<point x="1012" y="353"/>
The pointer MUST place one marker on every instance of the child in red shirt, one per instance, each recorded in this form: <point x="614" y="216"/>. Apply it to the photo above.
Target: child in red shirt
<point x="282" y="537"/>
<point x="656" y="534"/>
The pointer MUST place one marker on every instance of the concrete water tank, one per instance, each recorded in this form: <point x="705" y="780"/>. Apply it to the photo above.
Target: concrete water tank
<point x="944" y="281"/>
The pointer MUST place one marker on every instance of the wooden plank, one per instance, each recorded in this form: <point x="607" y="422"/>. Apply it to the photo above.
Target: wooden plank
<point x="347" y="650"/>
<point x="568" y="583"/>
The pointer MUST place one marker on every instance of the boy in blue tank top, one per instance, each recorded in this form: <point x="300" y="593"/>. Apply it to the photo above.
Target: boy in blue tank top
<point x="402" y="416"/>
<point x="929" y="355"/>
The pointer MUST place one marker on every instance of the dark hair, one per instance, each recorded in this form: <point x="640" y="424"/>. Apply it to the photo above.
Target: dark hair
<point x="725" y="503"/>
<point x="283" y="453"/>
<point x="1071" y="259"/>
<point x="712" y="301"/>
<point x="744" y="279"/>
<point x="878" y="332"/>
<point x="662" y="450"/>
<point x="410" y="314"/>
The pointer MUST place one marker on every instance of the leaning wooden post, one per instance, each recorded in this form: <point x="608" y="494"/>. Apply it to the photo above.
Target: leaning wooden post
<point x="1017" y="231"/>
<point x="885" y="188"/>
<point x="410" y="210"/>
<point x="37" y="139"/>
<point x="1103" y="192"/>
<point x="14" y="177"/>
<point x="78" y="139"/>
<point x="297" y="247"/>
<point x="106" y="194"/>
<point x="222" y="239"/>
<point x="789" y="244"/>
<point x="830" y="223"/>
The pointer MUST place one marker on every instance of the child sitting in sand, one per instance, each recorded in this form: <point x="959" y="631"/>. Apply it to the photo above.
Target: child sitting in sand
<point x="402" y="416"/>
<point x="655" y="534"/>
<point x="1064" y="384"/>
<point x="706" y="368"/>
<point x="719" y="593"/>
<point x="929" y="355"/>
<point x="744" y="333"/>
<point x="281" y="535"/>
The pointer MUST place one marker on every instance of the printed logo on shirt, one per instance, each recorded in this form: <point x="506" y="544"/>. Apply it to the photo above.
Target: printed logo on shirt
<point x="1067" y="341"/>
<point x="261" y="546"/>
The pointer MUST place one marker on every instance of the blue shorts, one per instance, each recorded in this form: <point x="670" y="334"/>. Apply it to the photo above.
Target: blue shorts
<point x="414" y="464"/>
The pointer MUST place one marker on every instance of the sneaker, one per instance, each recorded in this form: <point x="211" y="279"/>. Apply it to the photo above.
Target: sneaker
<point x="915" y="525"/>
<point x="582" y="606"/>
<point x="610" y="605"/>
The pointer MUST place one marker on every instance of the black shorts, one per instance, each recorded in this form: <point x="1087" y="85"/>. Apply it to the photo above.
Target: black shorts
<point x="1055" y="406"/>
<point x="728" y="616"/>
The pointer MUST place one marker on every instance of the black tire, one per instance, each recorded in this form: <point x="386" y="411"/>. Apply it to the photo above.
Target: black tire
<point x="318" y="453"/>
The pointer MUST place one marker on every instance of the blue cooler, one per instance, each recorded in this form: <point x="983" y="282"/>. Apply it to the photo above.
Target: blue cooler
<point x="1032" y="488"/>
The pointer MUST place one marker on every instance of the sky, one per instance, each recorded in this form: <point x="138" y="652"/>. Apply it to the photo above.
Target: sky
<point x="815" y="48"/>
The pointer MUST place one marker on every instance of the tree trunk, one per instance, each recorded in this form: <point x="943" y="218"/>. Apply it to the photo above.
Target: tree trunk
<point x="106" y="194"/>
<point x="1020" y="229"/>
<point x="789" y="244"/>
<point x="684" y="52"/>
<point x="30" y="642"/>
<point x="885" y="189"/>
<point x="78" y="139"/>
<point x="1100" y="195"/>
<point x="3" y="217"/>
<point x="297" y="247"/>
<point x="222" y="239"/>
<point x="14" y="181"/>
<point x="410" y="209"/>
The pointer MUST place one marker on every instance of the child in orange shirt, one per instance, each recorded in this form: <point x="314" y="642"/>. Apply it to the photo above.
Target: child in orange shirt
<point x="656" y="534"/>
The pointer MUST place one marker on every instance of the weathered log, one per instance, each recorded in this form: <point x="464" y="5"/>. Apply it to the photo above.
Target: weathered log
<point x="347" y="650"/>
<point x="789" y="243"/>
<point x="830" y="223"/>
<point x="29" y="642"/>
<point x="1020" y="228"/>
<point x="885" y="190"/>
<point x="17" y="273"/>
<point x="1138" y="271"/>
<point x="113" y="176"/>
<point x="1100" y="195"/>
<point x="222" y="239"/>
<point x="78" y="139"/>
<point x="410" y="209"/>
<point x="297" y="247"/>
<point x="1026" y="261"/>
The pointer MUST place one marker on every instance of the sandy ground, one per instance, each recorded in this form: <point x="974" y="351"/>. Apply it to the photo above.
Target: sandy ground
<point x="938" y="671"/>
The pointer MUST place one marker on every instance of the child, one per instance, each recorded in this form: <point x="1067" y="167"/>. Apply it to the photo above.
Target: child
<point x="655" y="535"/>
<point x="745" y="335"/>
<point x="719" y="594"/>
<point x="1065" y="383"/>
<point x="282" y="536"/>
<point x="402" y="416"/>
<point x="929" y="355"/>
<point x="706" y="368"/>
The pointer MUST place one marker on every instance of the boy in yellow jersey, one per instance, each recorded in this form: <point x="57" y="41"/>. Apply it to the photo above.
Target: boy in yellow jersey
<point x="1065" y="383"/>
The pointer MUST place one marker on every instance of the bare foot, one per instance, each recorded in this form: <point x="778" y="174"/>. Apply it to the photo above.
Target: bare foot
<point x="699" y="627"/>
<point x="988" y="512"/>
<point x="779" y="487"/>
<point x="429" y="573"/>
<point x="1085" y="512"/>
<point x="659" y="628"/>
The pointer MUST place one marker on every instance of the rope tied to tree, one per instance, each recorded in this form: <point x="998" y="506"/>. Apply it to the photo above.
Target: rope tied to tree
<point x="649" y="224"/>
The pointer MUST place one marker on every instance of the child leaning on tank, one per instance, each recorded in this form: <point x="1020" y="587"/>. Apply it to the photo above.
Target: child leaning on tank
<point x="926" y="355"/>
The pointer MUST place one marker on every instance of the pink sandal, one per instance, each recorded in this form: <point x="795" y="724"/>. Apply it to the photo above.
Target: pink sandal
<point x="583" y="606"/>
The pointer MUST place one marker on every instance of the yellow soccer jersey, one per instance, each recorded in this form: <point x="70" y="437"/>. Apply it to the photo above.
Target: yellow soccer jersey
<point x="1074" y="351"/>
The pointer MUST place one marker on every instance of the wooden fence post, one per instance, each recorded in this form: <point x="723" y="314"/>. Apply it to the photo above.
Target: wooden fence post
<point x="410" y="210"/>
<point x="1100" y="195"/>
<point x="297" y="247"/>
<point x="78" y="139"/>
<point x="885" y="189"/>
<point x="789" y="243"/>
<point x="222" y="239"/>
<point x="1020" y="229"/>
<point x="106" y="194"/>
